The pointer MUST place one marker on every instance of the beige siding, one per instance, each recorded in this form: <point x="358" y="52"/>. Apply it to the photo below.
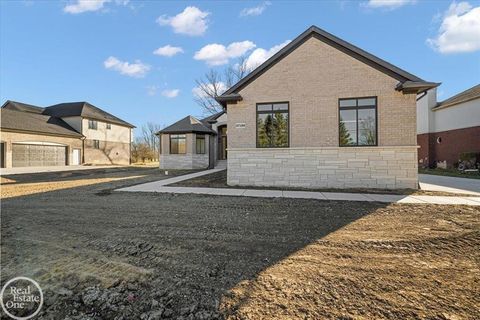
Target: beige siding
<point x="14" y="137"/>
<point x="312" y="78"/>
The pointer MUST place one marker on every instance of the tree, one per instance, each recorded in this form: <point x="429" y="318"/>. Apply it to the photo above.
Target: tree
<point x="150" y="139"/>
<point x="214" y="83"/>
<point x="345" y="138"/>
<point x="142" y="152"/>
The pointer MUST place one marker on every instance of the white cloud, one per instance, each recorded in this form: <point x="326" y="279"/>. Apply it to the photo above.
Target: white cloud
<point x="217" y="54"/>
<point x="170" y="93"/>
<point x="192" y="21"/>
<point x="136" y="70"/>
<point x="199" y="93"/>
<point x="260" y="55"/>
<point x="459" y="31"/>
<point x="255" y="11"/>
<point x="80" y="6"/>
<point x="168" y="51"/>
<point x="388" y="4"/>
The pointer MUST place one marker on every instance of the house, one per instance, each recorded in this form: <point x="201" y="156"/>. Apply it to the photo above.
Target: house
<point x="194" y="144"/>
<point x="63" y="134"/>
<point x="448" y="128"/>
<point x="322" y="113"/>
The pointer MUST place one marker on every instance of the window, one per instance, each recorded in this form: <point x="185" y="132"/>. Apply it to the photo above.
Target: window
<point x="358" y="122"/>
<point x="92" y="124"/>
<point x="96" y="144"/>
<point x="178" y="144"/>
<point x="272" y="125"/>
<point x="109" y="126"/>
<point x="200" y="143"/>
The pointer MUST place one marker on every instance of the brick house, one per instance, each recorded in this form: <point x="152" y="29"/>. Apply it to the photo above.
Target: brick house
<point x="64" y="134"/>
<point x="323" y="113"/>
<point x="448" y="128"/>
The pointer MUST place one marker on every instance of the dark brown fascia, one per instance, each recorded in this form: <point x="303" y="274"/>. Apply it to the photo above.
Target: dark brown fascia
<point x="228" y="98"/>
<point x="417" y="87"/>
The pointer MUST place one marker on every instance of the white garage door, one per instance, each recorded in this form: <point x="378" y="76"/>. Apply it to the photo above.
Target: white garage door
<point x="35" y="155"/>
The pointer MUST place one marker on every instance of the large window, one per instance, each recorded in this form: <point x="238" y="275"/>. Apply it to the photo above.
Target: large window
<point x="178" y="144"/>
<point x="200" y="143"/>
<point x="358" y="122"/>
<point x="92" y="124"/>
<point x="272" y="125"/>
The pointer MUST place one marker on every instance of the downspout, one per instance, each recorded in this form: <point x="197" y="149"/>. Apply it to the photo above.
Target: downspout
<point x="83" y="149"/>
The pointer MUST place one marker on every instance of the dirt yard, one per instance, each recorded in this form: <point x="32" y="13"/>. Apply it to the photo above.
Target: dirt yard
<point x="99" y="254"/>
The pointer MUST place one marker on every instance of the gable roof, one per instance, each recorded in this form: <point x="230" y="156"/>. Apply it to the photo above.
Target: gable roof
<point x="36" y="123"/>
<point x="464" y="96"/>
<point x="20" y="106"/>
<point x="86" y="110"/>
<point x="213" y="117"/>
<point x="188" y="124"/>
<point x="401" y="75"/>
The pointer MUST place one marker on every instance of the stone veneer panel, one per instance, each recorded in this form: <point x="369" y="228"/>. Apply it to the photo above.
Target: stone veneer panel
<point x="357" y="167"/>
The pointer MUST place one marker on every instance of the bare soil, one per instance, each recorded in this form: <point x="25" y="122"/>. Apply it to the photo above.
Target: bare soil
<point x="219" y="180"/>
<point x="100" y="254"/>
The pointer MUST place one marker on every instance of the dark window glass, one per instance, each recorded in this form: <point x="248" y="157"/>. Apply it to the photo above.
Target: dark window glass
<point x="178" y="144"/>
<point x="358" y="122"/>
<point x="200" y="144"/>
<point x="96" y="144"/>
<point x="109" y="126"/>
<point x="272" y="125"/>
<point x="92" y="124"/>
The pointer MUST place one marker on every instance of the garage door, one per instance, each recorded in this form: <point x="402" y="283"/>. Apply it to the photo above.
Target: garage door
<point x="35" y="155"/>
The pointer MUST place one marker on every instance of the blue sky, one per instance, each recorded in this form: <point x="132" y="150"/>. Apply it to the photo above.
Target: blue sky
<point x="103" y="51"/>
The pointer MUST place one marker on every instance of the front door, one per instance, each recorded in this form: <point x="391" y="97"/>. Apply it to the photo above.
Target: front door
<point x="76" y="157"/>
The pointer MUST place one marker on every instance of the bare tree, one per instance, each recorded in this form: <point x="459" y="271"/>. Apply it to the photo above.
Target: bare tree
<point x="150" y="139"/>
<point x="214" y="83"/>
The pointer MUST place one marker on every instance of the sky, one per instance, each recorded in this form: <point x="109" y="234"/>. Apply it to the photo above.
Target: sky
<point x="139" y="59"/>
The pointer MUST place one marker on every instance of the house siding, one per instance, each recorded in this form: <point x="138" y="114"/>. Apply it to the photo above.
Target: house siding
<point x="312" y="78"/>
<point x="10" y="138"/>
<point x="188" y="160"/>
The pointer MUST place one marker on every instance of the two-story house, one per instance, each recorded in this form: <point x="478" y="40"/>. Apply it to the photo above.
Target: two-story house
<point x="63" y="134"/>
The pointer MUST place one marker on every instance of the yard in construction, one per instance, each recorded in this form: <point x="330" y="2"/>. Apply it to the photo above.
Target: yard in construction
<point x="104" y="254"/>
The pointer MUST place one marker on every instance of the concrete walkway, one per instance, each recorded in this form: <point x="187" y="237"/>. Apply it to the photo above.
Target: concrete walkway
<point x="161" y="186"/>
<point x="24" y="170"/>
<point x="449" y="184"/>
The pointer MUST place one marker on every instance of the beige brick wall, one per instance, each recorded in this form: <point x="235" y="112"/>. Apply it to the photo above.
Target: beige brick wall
<point x="110" y="152"/>
<point x="312" y="78"/>
<point x="328" y="167"/>
<point x="189" y="160"/>
<point x="13" y="137"/>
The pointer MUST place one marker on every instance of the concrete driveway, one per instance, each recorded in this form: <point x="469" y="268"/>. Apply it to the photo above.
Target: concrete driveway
<point x="449" y="184"/>
<point x="23" y="170"/>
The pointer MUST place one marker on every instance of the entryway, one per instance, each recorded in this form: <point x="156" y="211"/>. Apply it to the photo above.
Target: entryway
<point x="76" y="157"/>
<point x="222" y="142"/>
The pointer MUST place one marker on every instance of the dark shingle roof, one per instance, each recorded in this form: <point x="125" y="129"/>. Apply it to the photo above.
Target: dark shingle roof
<point x="467" y="95"/>
<point x="188" y="124"/>
<point x="342" y="45"/>
<point x="212" y="117"/>
<point x="19" y="106"/>
<point x="35" y="122"/>
<point x="84" y="109"/>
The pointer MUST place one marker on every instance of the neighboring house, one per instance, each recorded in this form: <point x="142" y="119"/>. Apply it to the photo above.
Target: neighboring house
<point x="448" y="128"/>
<point x="322" y="113"/>
<point x="194" y="144"/>
<point x="64" y="134"/>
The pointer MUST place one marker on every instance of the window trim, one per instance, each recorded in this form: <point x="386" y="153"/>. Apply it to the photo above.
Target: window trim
<point x="109" y="126"/>
<point x="267" y="112"/>
<point x="359" y="108"/>
<point x="93" y="127"/>
<point x="170" y="142"/>
<point x="204" y="138"/>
